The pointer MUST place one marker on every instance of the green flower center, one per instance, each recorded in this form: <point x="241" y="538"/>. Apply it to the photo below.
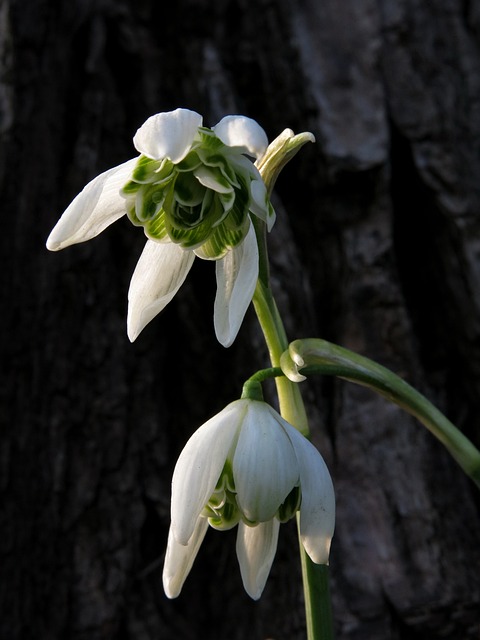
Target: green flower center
<point x="222" y="509"/>
<point x="200" y="203"/>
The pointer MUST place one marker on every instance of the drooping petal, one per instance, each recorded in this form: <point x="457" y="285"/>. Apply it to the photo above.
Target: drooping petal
<point x="256" y="547"/>
<point x="317" y="509"/>
<point x="243" y="133"/>
<point x="179" y="558"/>
<point x="265" y="466"/>
<point x="237" y="275"/>
<point x="159" y="274"/>
<point x="168" y="135"/>
<point x="94" y="209"/>
<point x="199" y="467"/>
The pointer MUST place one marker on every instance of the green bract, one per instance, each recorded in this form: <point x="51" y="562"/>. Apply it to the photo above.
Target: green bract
<point x="202" y="202"/>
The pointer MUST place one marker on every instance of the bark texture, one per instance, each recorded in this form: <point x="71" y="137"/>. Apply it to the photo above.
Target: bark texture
<point x="377" y="247"/>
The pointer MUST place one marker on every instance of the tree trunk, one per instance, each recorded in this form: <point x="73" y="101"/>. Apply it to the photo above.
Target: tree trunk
<point x="376" y="248"/>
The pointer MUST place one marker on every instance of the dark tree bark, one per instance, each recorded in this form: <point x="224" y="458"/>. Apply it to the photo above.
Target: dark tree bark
<point x="376" y="247"/>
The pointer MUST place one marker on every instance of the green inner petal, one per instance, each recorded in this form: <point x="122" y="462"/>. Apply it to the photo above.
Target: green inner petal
<point x="222" y="161"/>
<point x="148" y="202"/>
<point x="156" y="229"/>
<point x="130" y="188"/>
<point x="228" y="519"/>
<point x="190" y="162"/>
<point x="213" y="178"/>
<point x="130" y="206"/>
<point x="221" y="241"/>
<point x="290" y="506"/>
<point x="188" y="191"/>
<point x="145" y="170"/>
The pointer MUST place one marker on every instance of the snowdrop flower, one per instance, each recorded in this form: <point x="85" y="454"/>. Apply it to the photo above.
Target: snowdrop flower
<point x="250" y="467"/>
<point x="193" y="190"/>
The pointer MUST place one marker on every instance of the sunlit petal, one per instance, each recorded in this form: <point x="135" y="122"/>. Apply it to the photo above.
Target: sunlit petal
<point x="199" y="467"/>
<point x="168" y="135"/>
<point x="264" y="465"/>
<point x="237" y="275"/>
<point x="317" y="510"/>
<point x="94" y="209"/>
<point x="256" y="547"/>
<point x="244" y="133"/>
<point x="179" y="558"/>
<point x="159" y="274"/>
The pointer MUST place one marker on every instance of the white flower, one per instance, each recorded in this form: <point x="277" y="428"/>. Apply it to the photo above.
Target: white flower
<point x="250" y="467"/>
<point x="193" y="190"/>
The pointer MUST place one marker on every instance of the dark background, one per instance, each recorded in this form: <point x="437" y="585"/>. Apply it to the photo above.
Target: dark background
<point x="376" y="247"/>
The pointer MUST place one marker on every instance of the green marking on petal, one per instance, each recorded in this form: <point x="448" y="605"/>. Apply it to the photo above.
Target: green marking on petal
<point x="130" y="206"/>
<point x="190" y="162"/>
<point x="213" y="178"/>
<point x="290" y="506"/>
<point x="227" y="200"/>
<point x="130" y="188"/>
<point x="223" y="162"/>
<point x="221" y="241"/>
<point x="148" y="202"/>
<point x="229" y="519"/>
<point x="188" y="191"/>
<point x="145" y="170"/>
<point x="156" y="229"/>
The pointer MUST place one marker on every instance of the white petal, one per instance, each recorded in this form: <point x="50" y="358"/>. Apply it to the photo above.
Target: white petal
<point x="168" y="135"/>
<point x="179" y="559"/>
<point x="256" y="547"/>
<point x="94" y="209"/>
<point x="199" y="467"/>
<point x="244" y="133"/>
<point x="317" y="510"/>
<point x="260" y="205"/>
<point x="159" y="274"/>
<point x="237" y="275"/>
<point x="265" y="466"/>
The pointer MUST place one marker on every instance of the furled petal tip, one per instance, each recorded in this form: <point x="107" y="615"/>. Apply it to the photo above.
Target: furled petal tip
<point x="168" y="135"/>
<point x="244" y="133"/>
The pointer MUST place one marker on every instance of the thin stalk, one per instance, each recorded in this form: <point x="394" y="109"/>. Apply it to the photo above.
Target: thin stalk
<point x="315" y="577"/>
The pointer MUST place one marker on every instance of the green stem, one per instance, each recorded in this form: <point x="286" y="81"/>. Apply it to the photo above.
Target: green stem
<point x="320" y="356"/>
<point x="315" y="577"/>
<point x="317" y="597"/>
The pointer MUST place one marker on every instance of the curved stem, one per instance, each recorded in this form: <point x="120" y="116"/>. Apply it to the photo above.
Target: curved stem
<point x="320" y="356"/>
